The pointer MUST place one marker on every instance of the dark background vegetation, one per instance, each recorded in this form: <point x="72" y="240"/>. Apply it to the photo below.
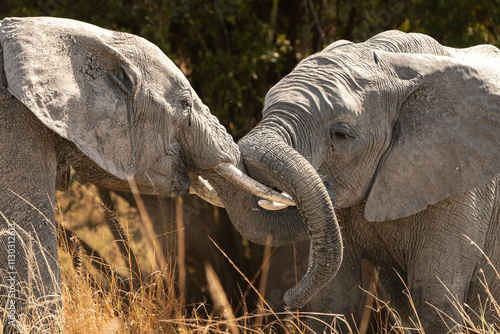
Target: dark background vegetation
<point x="233" y="51"/>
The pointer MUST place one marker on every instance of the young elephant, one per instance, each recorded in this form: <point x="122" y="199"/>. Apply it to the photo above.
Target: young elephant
<point x="111" y="105"/>
<point x="402" y="136"/>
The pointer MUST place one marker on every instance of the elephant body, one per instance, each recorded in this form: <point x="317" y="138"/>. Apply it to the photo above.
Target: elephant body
<point x="109" y="104"/>
<point x="401" y="135"/>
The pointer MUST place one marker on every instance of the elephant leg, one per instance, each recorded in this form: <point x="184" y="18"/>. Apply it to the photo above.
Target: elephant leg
<point x="342" y="296"/>
<point x="444" y="262"/>
<point x="419" y="299"/>
<point x="29" y="271"/>
<point x="426" y="298"/>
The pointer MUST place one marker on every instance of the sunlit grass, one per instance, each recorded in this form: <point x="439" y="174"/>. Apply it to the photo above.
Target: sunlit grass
<point x="105" y="301"/>
<point x="93" y="303"/>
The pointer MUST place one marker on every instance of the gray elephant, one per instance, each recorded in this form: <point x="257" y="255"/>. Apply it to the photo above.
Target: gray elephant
<point x="109" y="104"/>
<point x="401" y="136"/>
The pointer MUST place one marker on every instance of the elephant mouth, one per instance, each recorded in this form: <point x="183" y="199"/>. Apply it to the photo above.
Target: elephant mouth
<point x="154" y="182"/>
<point x="203" y="188"/>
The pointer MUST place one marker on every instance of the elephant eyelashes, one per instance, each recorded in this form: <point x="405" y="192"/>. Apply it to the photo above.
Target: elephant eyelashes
<point x="341" y="131"/>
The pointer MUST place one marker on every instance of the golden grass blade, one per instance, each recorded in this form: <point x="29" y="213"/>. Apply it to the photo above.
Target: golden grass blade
<point x="263" y="279"/>
<point x="121" y="237"/>
<point x="417" y="325"/>
<point x="148" y="230"/>
<point x="220" y="298"/>
<point x="244" y="277"/>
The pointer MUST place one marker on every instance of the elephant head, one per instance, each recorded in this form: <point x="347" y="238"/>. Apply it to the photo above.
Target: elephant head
<point x="109" y="104"/>
<point x="127" y="108"/>
<point x="396" y="123"/>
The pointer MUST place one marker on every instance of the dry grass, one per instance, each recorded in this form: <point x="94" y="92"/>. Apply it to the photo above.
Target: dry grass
<point x="99" y="303"/>
<point x="93" y="303"/>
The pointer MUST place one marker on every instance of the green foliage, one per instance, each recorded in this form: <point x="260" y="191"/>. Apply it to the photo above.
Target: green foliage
<point x="233" y="51"/>
<point x="460" y="23"/>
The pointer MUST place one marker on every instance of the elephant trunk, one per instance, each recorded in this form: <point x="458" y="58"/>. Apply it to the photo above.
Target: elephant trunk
<point x="276" y="163"/>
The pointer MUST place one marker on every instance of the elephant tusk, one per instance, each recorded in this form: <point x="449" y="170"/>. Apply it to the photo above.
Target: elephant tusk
<point x="234" y="175"/>
<point x="202" y="188"/>
<point x="273" y="206"/>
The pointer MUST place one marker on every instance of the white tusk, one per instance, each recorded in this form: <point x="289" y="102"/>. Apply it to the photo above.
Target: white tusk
<point x="202" y="188"/>
<point x="234" y="175"/>
<point x="273" y="206"/>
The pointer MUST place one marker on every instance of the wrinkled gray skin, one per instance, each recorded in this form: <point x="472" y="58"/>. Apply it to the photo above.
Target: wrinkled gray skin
<point x="111" y="105"/>
<point x="401" y="135"/>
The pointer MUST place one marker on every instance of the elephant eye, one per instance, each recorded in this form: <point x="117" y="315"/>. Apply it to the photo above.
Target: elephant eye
<point x="185" y="104"/>
<point x="341" y="131"/>
<point x="341" y="135"/>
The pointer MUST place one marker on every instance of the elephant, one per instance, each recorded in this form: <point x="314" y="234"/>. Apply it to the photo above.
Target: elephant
<point x="391" y="150"/>
<point x="112" y="106"/>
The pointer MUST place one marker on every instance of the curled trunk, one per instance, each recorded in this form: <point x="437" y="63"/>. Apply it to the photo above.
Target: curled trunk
<point x="277" y="164"/>
<point x="252" y="221"/>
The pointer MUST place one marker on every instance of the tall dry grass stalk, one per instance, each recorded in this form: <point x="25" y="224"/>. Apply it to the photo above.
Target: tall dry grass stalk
<point x="148" y="232"/>
<point x="181" y="245"/>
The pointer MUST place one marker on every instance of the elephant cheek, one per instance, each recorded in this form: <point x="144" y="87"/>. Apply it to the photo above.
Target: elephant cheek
<point x="166" y="177"/>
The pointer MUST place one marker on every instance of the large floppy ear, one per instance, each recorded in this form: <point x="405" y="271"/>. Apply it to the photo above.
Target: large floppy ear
<point x="77" y="79"/>
<point x="446" y="137"/>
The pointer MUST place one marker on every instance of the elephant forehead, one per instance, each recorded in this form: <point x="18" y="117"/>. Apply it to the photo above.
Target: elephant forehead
<point x="313" y="95"/>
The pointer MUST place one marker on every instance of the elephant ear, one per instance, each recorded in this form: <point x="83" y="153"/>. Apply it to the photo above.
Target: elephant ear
<point x="76" y="78"/>
<point x="446" y="136"/>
